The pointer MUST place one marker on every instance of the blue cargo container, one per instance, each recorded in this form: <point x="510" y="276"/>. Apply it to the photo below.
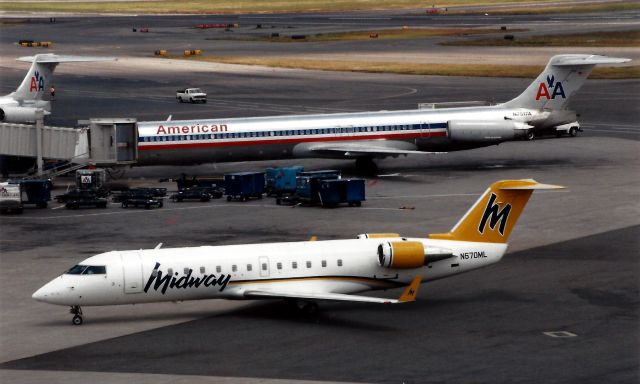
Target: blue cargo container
<point x="244" y="185"/>
<point x="308" y="183"/>
<point x="36" y="192"/>
<point x="281" y="181"/>
<point x="338" y="191"/>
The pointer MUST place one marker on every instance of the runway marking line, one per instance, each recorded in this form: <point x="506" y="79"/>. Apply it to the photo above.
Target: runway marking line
<point x="560" y="334"/>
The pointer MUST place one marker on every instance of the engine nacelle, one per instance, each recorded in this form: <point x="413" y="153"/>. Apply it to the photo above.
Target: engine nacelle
<point x="18" y="114"/>
<point x="401" y="254"/>
<point x="487" y="131"/>
<point x="377" y="235"/>
<point x="409" y="254"/>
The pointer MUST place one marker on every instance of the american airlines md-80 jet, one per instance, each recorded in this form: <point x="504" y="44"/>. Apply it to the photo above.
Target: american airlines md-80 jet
<point x="20" y="105"/>
<point x="366" y="136"/>
<point x="300" y="272"/>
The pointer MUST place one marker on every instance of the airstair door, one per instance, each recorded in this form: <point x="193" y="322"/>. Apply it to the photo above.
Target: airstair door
<point x="132" y="272"/>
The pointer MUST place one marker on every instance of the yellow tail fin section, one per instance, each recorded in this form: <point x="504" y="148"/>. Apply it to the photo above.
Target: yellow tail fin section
<point x="492" y="218"/>
<point x="411" y="291"/>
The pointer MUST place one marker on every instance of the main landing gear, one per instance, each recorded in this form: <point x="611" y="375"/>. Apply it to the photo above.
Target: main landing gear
<point x="308" y="308"/>
<point x="77" y="312"/>
<point x="366" y="166"/>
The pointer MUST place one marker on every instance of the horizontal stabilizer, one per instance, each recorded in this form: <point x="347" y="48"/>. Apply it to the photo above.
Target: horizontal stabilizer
<point x="53" y="58"/>
<point x="527" y="184"/>
<point x="564" y="60"/>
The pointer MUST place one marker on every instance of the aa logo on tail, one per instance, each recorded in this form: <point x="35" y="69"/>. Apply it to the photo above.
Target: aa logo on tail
<point x="551" y="89"/>
<point x="37" y="82"/>
<point x="494" y="214"/>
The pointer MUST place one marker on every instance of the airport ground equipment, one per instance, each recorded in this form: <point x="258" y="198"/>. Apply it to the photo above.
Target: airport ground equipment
<point x="10" y="198"/>
<point x="36" y="192"/>
<point x="200" y="181"/>
<point x="308" y="187"/>
<point x="282" y="180"/>
<point x="334" y="192"/>
<point x="197" y="193"/>
<point x="141" y="199"/>
<point x="79" y="198"/>
<point x="120" y="196"/>
<point x="92" y="180"/>
<point x="244" y="185"/>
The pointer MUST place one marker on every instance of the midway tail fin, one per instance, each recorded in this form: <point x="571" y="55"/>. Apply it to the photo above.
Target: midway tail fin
<point x="562" y="77"/>
<point x="492" y="218"/>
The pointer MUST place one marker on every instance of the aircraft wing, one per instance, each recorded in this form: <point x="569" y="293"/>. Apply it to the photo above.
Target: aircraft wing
<point x="409" y="294"/>
<point x="385" y="148"/>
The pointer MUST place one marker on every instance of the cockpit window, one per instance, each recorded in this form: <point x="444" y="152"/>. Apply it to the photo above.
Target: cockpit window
<point x="87" y="270"/>
<point x="77" y="270"/>
<point x="95" y="270"/>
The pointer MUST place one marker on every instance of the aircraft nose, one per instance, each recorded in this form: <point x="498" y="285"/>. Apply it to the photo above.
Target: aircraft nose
<point x="41" y="294"/>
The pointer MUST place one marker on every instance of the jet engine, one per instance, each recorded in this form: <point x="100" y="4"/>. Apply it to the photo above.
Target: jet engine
<point x="18" y="114"/>
<point x="409" y="254"/>
<point x="487" y="131"/>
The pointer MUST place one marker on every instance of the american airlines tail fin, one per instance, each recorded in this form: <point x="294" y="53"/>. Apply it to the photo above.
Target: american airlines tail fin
<point x="38" y="79"/>
<point x="492" y="218"/>
<point x="562" y="77"/>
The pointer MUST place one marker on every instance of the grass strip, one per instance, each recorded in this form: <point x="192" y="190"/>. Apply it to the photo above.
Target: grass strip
<point x="475" y="70"/>
<point x="382" y="34"/>
<point x="598" y="39"/>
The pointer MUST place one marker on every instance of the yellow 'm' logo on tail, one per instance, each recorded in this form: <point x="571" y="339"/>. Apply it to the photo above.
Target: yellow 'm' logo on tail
<point x="492" y="218"/>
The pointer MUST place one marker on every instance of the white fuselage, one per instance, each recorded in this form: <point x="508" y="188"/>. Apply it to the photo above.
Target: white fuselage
<point x="209" y="272"/>
<point x="280" y="137"/>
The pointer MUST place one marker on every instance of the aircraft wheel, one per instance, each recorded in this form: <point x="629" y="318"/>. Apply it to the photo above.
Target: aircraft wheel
<point x="366" y="166"/>
<point x="310" y="309"/>
<point x="573" y="132"/>
<point x="278" y="201"/>
<point x="77" y="320"/>
<point x="229" y="198"/>
<point x="531" y="135"/>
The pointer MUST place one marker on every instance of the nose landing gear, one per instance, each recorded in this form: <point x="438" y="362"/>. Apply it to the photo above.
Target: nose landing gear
<point x="77" y="312"/>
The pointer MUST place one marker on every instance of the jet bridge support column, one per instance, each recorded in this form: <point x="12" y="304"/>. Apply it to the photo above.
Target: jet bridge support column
<point x="39" y="126"/>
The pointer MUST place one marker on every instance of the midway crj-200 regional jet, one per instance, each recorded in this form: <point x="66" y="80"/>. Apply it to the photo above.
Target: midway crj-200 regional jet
<point x="300" y="272"/>
<point x="366" y="136"/>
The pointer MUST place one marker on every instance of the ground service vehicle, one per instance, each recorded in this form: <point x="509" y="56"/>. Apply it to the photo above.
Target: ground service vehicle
<point x="244" y="185"/>
<point x="339" y="191"/>
<point x="191" y="95"/>
<point x="79" y="198"/>
<point x="36" y="192"/>
<point x="144" y="200"/>
<point x="10" y="198"/>
<point x="281" y="181"/>
<point x="197" y="193"/>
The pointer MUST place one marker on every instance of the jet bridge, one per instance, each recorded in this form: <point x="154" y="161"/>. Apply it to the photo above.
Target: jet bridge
<point x="101" y="142"/>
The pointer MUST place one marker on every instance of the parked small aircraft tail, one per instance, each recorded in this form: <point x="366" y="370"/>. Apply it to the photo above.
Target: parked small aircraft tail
<point x="492" y="218"/>
<point x="20" y="106"/>
<point x="561" y="78"/>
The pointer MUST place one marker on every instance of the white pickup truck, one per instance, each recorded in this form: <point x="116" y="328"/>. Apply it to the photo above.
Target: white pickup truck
<point x="191" y="95"/>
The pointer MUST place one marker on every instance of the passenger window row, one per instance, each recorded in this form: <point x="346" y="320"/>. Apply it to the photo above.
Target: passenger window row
<point x="234" y="267"/>
<point x="298" y="132"/>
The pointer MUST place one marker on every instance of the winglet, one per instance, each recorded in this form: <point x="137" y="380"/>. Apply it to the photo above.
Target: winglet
<point x="411" y="291"/>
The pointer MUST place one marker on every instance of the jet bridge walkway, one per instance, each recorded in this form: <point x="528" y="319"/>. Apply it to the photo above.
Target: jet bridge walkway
<point x="103" y="142"/>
